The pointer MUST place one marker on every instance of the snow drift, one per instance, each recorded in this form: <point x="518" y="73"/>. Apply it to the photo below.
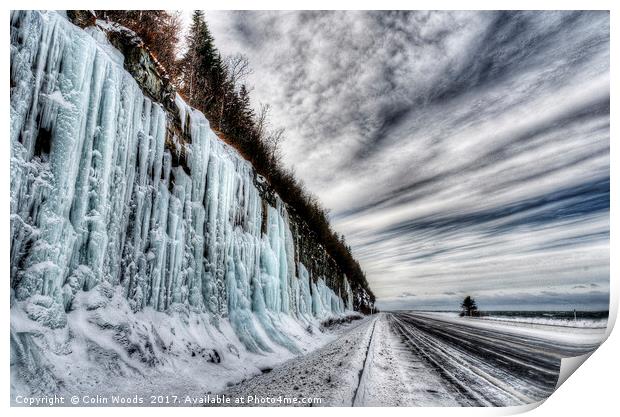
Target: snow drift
<point x="121" y="227"/>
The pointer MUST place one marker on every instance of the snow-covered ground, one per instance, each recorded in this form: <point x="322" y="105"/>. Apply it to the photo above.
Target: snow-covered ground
<point x="550" y="330"/>
<point x="106" y="349"/>
<point x="590" y="323"/>
<point x="547" y="321"/>
<point x="330" y="374"/>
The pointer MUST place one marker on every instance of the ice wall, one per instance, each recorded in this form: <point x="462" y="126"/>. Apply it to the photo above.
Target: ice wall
<point x="98" y="196"/>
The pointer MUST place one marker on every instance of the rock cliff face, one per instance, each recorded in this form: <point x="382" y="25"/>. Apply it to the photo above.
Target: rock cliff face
<point x="123" y="198"/>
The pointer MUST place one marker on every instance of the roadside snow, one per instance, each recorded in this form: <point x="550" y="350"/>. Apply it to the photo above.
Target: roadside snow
<point x="547" y="321"/>
<point x="330" y="373"/>
<point x="395" y="376"/>
<point x="111" y="351"/>
<point x="564" y="334"/>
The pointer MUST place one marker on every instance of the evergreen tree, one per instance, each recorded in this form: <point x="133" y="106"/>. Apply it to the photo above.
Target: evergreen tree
<point x="469" y="307"/>
<point x="246" y="108"/>
<point x="197" y="63"/>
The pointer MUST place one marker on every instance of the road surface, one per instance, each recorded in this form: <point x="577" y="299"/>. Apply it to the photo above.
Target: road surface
<point x="486" y="365"/>
<point x="415" y="359"/>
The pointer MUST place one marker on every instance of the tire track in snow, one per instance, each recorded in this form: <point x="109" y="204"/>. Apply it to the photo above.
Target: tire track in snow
<point x="361" y="372"/>
<point x="471" y="398"/>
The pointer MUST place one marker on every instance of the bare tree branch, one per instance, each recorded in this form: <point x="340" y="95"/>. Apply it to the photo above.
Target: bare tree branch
<point x="274" y="141"/>
<point x="238" y="67"/>
<point x="261" y="119"/>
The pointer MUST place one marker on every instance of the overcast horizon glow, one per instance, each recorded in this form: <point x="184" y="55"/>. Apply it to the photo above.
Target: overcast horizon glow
<point x="459" y="152"/>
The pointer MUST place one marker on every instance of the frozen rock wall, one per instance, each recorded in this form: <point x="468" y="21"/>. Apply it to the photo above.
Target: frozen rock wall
<point x="108" y="192"/>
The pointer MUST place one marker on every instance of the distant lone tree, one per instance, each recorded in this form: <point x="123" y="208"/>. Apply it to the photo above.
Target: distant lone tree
<point x="469" y="307"/>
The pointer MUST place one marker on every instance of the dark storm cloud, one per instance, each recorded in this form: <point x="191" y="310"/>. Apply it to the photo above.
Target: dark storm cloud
<point x="460" y="152"/>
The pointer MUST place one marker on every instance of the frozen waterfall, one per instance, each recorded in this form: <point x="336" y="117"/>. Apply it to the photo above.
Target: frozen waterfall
<point x="98" y="197"/>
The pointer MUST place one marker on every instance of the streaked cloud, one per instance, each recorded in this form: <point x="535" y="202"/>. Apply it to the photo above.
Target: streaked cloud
<point x="459" y="152"/>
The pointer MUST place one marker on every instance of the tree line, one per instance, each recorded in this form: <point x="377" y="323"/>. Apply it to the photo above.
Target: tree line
<point x="215" y="85"/>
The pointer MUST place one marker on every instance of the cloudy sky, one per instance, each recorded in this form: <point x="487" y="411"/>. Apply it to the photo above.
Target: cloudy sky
<point x="460" y="153"/>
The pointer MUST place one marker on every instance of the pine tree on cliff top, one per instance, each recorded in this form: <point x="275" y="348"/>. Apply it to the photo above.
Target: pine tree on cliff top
<point x="198" y="64"/>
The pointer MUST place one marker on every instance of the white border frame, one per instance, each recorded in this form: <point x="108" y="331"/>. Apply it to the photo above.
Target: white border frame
<point x="591" y="391"/>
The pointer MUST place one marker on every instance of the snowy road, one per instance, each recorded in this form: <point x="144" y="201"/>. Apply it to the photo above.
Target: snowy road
<point x="487" y="364"/>
<point x="415" y="359"/>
